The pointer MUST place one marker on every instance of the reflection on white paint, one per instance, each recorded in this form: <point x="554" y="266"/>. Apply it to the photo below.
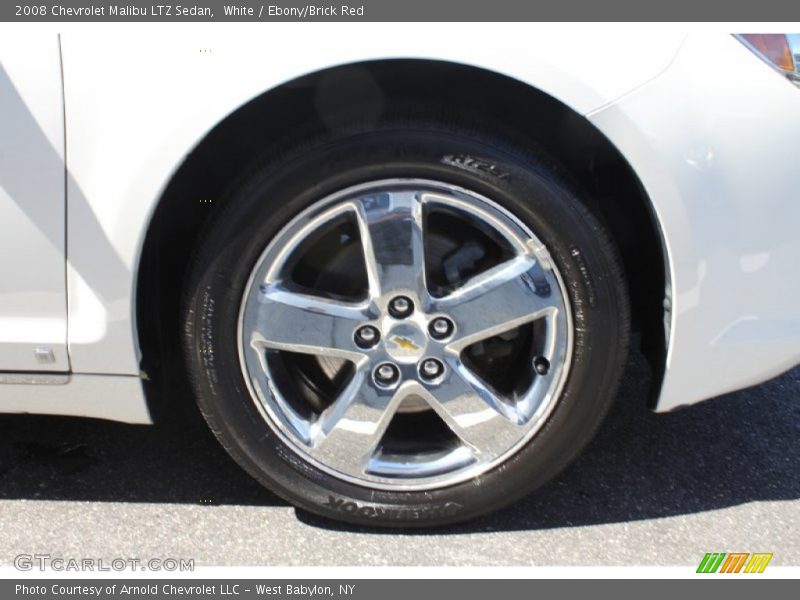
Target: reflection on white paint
<point x="691" y="297"/>
<point x="88" y="316"/>
<point x="750" y="263"/>
<point x="701" y="157"/>
<point x="751" y="329"/>
<point x="21" y="330"/>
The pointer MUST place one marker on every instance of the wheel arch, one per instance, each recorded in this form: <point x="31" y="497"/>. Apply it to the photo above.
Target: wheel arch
<point x="315" y="102"/>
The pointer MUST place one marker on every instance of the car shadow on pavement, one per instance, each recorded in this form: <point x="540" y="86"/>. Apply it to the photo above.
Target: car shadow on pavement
<point x="176" y="461"/>
<point x="731" y="450"/>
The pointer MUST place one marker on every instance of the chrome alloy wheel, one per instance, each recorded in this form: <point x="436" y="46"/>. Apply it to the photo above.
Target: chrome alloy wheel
<point x="405" y="334"/>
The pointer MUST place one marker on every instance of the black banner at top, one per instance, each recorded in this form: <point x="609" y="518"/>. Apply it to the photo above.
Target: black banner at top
<point x="399" y="10"/>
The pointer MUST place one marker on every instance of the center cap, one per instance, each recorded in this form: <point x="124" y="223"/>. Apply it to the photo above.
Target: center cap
<point x="406" y="343"/>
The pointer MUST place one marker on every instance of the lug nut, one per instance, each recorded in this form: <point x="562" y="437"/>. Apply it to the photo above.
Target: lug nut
<point x="430" y="368"/>
<point x="440" y="328"/>
<point x="400" y="307"/>
<point x="386" y="374"/>
<point x="541" y="365"/>
<point x="367" y="336"/>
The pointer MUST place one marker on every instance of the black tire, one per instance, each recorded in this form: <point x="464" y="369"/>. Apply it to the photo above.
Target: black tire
<point x="257" y="207"/>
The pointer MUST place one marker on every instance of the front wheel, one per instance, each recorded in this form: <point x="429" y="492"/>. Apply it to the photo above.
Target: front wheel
<point x="404" y="326"/>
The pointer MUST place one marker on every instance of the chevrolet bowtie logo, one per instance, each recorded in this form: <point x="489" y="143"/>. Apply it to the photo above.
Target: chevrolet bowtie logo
<point x="404" y="343"/>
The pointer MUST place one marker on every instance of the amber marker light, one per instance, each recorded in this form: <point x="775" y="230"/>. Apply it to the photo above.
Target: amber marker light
<point x="779" y="50"/>
<point x="772" y="46"/>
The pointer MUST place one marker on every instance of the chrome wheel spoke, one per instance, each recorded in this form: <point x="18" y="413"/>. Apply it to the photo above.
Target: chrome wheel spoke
<point x="347" y="432"/>
<point x="390" y="225"/>
<point x="498" y="300"/>
<point x="306" y="324"/>
<point x="471" y="410"/>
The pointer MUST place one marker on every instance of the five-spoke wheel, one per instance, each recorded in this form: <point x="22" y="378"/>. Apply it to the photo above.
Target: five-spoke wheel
<point x="402" y="342"/>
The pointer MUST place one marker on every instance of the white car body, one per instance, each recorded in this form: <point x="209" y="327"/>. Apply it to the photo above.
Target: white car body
<point x="715" y="150"/>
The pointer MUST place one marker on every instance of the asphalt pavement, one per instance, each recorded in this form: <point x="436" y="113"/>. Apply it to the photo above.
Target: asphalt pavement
<point x="651" y="489"/>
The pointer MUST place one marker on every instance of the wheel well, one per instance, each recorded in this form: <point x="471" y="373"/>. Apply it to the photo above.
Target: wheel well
<point x="313" y="103"/>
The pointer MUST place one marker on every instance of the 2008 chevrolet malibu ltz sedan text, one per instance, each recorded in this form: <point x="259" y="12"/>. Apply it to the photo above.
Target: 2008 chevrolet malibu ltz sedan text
<point x="401" y="275"/>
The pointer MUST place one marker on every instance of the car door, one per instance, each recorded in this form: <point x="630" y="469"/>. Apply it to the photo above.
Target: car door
<point x="33" y="303"/>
